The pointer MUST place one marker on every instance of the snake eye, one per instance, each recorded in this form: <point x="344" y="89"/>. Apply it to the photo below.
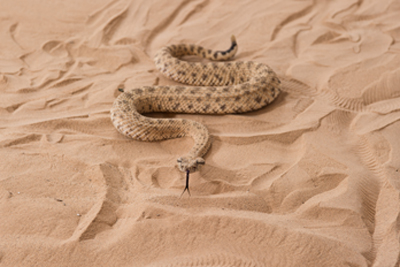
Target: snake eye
<point x="201" y="162"/>
<point x="179" y="160"/>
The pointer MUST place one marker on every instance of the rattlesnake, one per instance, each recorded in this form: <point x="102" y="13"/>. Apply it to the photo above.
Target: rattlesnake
<point x="226" y="87"/>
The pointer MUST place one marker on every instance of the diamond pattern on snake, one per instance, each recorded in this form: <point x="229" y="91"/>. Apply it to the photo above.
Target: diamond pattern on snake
<point x="215" y="88"/>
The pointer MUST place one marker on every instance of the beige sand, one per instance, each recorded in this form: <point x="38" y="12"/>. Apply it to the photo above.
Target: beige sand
<point x="311" y="180"/>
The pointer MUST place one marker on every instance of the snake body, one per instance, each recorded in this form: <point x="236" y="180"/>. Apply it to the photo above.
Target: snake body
<point x="216" y="88"/>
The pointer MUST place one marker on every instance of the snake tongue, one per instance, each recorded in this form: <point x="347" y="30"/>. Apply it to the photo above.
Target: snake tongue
<point x="187" y="184"/>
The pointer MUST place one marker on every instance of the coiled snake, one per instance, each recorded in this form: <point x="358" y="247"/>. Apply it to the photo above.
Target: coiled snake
<point x="216" y="88"/>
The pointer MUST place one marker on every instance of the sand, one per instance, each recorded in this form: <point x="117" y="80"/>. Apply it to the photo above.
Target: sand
<point x="311" y="180"/>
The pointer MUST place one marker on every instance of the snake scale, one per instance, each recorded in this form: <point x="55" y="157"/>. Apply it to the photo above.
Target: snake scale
<point x="216" y="88"/>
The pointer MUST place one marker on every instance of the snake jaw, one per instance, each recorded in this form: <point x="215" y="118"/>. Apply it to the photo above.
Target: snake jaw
<point x="186" y="164"/>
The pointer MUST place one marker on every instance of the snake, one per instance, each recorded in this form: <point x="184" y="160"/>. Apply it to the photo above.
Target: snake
<point x="218" y="86"/>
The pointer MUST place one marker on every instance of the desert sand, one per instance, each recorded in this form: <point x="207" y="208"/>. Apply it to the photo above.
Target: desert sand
<point x="310" y="180"/>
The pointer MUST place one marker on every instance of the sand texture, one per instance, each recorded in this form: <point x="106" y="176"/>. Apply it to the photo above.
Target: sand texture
<point x="310" y="180"/>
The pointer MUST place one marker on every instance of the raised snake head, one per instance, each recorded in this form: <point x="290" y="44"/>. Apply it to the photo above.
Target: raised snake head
<point x="186" y="164"/>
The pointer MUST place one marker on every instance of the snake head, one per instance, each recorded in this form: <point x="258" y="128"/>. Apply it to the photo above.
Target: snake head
<point x="190" y="164"/>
